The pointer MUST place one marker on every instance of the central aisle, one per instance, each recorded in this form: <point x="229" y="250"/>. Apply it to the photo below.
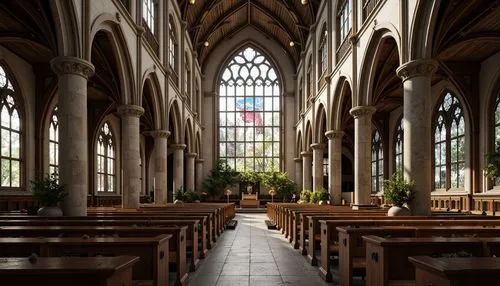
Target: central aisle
<point x="253" y="255"/>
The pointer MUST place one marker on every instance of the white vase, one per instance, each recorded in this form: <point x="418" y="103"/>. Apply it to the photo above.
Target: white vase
<point x="178" y="202"/>
<point x="50" y="211"/>
<point x="398" y="211"/>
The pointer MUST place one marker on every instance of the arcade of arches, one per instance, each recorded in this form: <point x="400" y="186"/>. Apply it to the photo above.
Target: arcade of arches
<point x="133" y="98"/>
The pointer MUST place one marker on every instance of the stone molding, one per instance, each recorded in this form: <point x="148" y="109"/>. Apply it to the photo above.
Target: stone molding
<point x="191" y="155"/>
<point x="416" y="68"/>
<point x="317" y="146"/>
<point x="306" y="154"/>
<point x="177" y="146"/>
<point x="72" y="65"/>
<point x="297" y="160"/>
<point x="200" y="161"/>
<point x="130" y="110"/>
<point x="362" y="111"/>
<point x="334" y="134"/>
<point x="158" y="133"/>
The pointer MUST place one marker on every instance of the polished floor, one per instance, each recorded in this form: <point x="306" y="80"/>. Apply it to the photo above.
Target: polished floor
<point x="253" y="255"/>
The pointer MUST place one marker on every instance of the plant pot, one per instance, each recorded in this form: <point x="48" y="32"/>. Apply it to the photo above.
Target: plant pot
<point x="178" y="202"/>
<point x="321" y="203"/>
<point x="398" y="211"/>
<point x="50" y="211"/>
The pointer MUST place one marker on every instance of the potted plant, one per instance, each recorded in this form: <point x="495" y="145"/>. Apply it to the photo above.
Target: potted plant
<point x="492" y="168"/>
<point x="49" y="194"/>
<point x="305" y="196"/>
<point x="400" y="193"/>
<point x="179" y="196"/>
<point x="279" y="182"/>
<point x="221" y="176"/>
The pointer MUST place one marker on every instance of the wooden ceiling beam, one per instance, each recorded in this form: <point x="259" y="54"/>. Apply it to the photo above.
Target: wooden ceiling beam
<point x="207" y="8"/>
<point x="278" y="21"/>
<point x="274" y="38"/>
<point x="218" y="23"/>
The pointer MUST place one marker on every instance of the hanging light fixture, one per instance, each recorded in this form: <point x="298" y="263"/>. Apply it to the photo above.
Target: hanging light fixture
<point x="206" y="43"/>
<point x="194" y="1"/>
<point x="292" y="43"/>
<point x="304" y="2"/>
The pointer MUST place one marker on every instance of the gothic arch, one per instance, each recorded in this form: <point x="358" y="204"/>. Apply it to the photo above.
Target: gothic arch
<point x="422" y="29"/>
<point x="308" y="137"/>
<point x="66" y="24"/>
<point x="367" y="72"/>
<point x="343" y="92"/>
<point x="299" y="144"/>
<point x="175" y="114"/>
<point x="321" y="123"/>
<point x="108" y="24"/>
<point x="150" y="78"/>
<point x="188" y="135"/>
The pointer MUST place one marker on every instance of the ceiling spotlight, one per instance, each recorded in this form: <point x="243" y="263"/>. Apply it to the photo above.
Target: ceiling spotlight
<point x="304" y="2"/>
<point x="194" y="1"/>
<point x="206" y="44"/>
<point x="292" y="43"/>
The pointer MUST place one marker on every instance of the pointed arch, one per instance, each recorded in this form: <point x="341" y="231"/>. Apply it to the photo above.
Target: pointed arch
<point x="106" y="166"/>
<point x="369" y="62"/>
<point x="422" y="29"/>
<point x="108" y="24"/>
<point x="342" y="96"/>
<point x="321" y="124"/>
<point x="308" y="137"/>
<point x="150" y="79"/>
<point x="299" y="145"/>
<point x="176" y="119"/>
<point x="197" y="145"/>
<point x="188" y="136"/>
<point x="66" y="24"/>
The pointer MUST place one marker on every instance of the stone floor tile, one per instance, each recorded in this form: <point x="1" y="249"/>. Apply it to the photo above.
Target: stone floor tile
<point x="233" y="280"/>
<point x="266" y="281"/>
<point x="264" y="268"/>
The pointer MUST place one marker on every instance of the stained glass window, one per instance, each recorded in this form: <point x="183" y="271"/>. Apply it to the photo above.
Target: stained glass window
<point x="11" y="136"/>
<point x="377" y="163"/>
<point x="449" y="142"/>
<point x="249" y="113"/>
<point x="106" y="160"/>
<point x="398" y="147"/>
<point x="54" y="143"/>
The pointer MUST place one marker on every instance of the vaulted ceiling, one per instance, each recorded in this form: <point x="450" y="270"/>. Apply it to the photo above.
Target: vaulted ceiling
<point x="283" y="21"/>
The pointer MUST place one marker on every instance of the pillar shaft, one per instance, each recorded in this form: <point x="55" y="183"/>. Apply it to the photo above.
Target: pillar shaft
<point x="160" y="159"/>
<point x="131" y="157"/>
<point x="178" y="171"/>
<point x="190" y="160"/>
<point x="298" y="173"/>
<point x="307" y="170"/>
<point x="73" y="74"/>
<point x="335" y="165"/>
<point x="416" y="76"/>
<point x="362" y="154"/>
<point x="318" y="174"/>
<point x="199" y="174"/>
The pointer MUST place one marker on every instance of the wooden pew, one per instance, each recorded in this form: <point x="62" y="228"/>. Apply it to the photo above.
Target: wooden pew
<point x="198" y="250"/>
<point x="461" y="271"/>
<point x="74" y="271"/>
<point x="387" y="258"/>
<point x="177" y="244"/>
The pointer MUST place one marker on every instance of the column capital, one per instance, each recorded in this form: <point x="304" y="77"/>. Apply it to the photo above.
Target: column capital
<point x="158" y="133"/>
<point x="72" y="65"/>
<point x="317" y="146"/>
<point x="362" y="111"/>
<point x="297" y="160"/>
<point x="416" y="68"/>
<point x="191" y="155"/>
<point x="306" y="154"/>
<point x="177" y="146"/>
<point x="200" y="161"/>
<point x="334" y="134"/>
<point x="130" y="110"/>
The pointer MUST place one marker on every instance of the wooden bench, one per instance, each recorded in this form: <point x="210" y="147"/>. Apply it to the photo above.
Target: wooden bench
<point x="387" y="258"/>
<point x="75" y="271"/>
<point x="177" y="244"/>
<point x="462" y="271"/>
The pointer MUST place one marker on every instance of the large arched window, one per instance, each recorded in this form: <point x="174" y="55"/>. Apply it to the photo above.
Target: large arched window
<point x="54" y="143"/>
<point x="323" y="50"/>
<point x="449" y="142"/>
<point x="11" y="136"/>
<point x="344" y="19"/>
<point x="172" y="45"/>
<point x="249" y="113"/>
<point x="377" y="163"/>
<point x="106" y="160"/>
<point x="398" y="147"/>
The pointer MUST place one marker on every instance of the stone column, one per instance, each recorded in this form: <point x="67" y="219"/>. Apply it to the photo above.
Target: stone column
<point x="199" y="174"/>
<point x="307" y="170"/>
<point x="298" y="173"/>
<point x="318" y="174"/>
<point x="131" y="157"/>
<point x="416" y="76"/>
<point x="73" y="74"/>
<point x="190" y="158"/>
<point x="362" y="155"/>
<point x="160" y="187"/>
<point x="335" y="165"/>
<point x="178" y="171"/>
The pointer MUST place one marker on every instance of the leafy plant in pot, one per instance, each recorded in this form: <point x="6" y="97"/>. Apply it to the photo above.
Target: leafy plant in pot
<point x="400" y="193"/>
<point x="49" y="194"/>
<point x="492" y="168"/>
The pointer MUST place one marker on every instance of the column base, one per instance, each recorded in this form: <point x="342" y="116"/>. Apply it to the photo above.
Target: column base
<point x="364" y="207"/>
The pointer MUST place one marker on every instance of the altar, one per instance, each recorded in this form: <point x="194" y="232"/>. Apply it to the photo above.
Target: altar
<point x="249" y="200"/>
